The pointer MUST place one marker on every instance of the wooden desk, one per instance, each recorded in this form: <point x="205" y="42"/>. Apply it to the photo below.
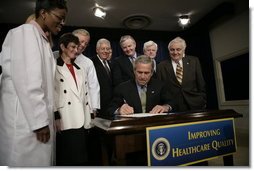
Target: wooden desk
<point x="125" y="135"/>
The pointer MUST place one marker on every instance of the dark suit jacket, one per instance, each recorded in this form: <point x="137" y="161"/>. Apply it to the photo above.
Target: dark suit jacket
<point x="156" y="94"/>
<point x="192" y="92"/>
<point x="106" y="87"/>
<point x="122" y="70"/>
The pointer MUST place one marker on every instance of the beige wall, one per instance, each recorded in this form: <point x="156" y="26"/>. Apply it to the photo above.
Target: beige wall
<point x="228" y="40"/>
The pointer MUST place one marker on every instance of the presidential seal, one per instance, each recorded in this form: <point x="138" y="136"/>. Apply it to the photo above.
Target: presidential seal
<point x="160" y="148"/>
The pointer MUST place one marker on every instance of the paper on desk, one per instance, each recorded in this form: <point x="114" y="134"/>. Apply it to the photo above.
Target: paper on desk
<point x="101" y="123"/>
<point x="140" y="115"/>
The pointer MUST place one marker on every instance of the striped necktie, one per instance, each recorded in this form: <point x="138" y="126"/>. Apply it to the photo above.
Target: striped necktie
<point x="179" y="73"/>
<point x="106" y="67"/>
<point x="132" y="59"/>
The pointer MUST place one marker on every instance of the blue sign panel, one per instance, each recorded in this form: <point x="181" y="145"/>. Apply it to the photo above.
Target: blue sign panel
<point x="188" y="143"/>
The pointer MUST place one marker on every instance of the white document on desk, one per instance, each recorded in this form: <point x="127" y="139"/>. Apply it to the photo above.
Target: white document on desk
<point x="141" y="115"/>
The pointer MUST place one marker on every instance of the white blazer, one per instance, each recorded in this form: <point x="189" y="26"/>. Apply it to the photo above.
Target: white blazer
<point x="72" y="98"/>
<point x="26" y="97"/>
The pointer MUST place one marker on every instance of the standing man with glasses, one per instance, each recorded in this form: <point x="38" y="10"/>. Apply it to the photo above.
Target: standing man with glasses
<point x="27" y="88"/>
<point x="183" y="77"/>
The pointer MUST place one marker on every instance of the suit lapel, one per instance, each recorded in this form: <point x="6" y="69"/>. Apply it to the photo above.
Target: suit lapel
<point x="135" y="97"/>
<point x="64" y="71"/>
<point x="171" y="71"/>
<point x="149" y="95"/>
<point x="101" y="68"/>
<point x="79" y="79"/>
<point x="128" y="65"/>
<point x="186" y="67"/>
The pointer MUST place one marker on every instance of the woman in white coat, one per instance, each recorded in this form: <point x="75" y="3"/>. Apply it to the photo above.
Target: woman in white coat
<point x="72" y="105"/>
<point x="26" y="91"/>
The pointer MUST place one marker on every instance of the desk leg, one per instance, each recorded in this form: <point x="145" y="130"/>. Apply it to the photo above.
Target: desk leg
<point x="228" y="160"/>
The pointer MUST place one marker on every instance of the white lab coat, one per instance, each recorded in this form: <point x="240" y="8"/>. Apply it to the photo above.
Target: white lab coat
<point x="1" y="72"/>
<point x="93" y="84"/>
<point x="26" y="97"/>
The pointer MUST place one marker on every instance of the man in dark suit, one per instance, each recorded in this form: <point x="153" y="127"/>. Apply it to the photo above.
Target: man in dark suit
<point x="128" y="99"/>
<point x="103" y="70"/>
<point x="188" y="89"/>
<point x="122" y="65"/>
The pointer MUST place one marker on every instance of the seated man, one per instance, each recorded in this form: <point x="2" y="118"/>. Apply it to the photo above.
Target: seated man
<point x="142" y="94"/>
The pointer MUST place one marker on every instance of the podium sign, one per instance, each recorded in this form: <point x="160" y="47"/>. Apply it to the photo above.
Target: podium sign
<point x="189" y="143"/>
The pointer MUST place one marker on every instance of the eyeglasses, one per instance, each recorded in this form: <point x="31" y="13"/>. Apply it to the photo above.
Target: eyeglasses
<point x="61" y="19"/>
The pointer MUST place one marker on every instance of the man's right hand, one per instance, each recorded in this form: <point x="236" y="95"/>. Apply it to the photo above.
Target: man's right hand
<point x="125" y="109"/>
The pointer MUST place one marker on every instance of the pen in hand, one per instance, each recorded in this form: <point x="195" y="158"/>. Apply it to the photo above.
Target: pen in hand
<point x="125" y="109"/>
<point x="124" y="101"/>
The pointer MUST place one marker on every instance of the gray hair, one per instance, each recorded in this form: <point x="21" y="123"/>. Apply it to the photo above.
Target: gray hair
<point x="143" y="59"/>
<point x="125" y="37"/>
<point x="102" y="41"/>
<point x="81" y="31"/>
<point x="177" y="40"/>
<point x="149" y="43"/>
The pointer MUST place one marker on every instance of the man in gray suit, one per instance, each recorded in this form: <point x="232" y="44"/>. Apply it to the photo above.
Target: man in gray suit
<point x="183" y="76"/>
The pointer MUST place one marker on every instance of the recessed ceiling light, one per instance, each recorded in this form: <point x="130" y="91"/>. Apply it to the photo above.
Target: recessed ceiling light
<point x="184" y="20"/>
<point x="136" y="22"/>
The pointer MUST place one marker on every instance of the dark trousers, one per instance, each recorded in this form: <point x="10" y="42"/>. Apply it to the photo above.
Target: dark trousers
<point x="94" y="148"/>
<point x="71" y="147"/>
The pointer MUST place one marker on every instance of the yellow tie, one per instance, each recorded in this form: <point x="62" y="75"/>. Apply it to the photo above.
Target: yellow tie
<point x="179" y="73"/>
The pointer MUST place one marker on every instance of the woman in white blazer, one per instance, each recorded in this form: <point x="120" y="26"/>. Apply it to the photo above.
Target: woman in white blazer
<point x="27" y="90"/>
<point x="72" y="105"/>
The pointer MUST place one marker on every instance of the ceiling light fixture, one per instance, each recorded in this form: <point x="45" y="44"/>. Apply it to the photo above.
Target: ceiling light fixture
<point x="184" y="20"/>
<point x="99" y="11"/>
